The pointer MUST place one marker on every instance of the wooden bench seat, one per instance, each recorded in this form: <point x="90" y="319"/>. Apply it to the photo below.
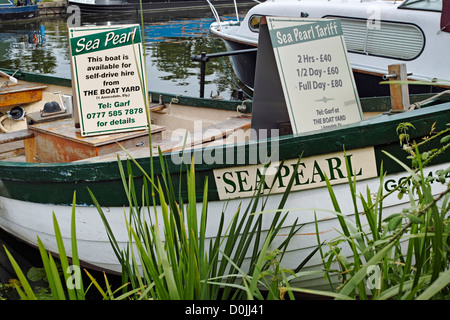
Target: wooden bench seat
<point x="12" y="145"/>
<point x="15" y="136"/>
<point x="210" y="133"/>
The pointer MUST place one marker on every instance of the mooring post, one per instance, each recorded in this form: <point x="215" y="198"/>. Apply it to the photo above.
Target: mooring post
<point x="399" y="91"/>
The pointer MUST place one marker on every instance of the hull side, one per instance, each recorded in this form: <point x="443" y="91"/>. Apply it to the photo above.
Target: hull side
<point x="10" y="14"/>
<point x="367" y="83"/>
<point x="28" y="220"/>
<point x="31" y="192"/>
<point x="426" y="63"/>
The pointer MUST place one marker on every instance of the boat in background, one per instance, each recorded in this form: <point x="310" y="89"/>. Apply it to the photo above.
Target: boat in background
<point x="152" y="6"/>
<point x="58" y="162"/>
<point x="377" y="34"/>
<point x="18" y="10"/>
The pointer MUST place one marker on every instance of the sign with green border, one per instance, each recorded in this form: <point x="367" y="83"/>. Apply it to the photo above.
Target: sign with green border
<point x="109" y="78"/>
<point x="316" y="76"/>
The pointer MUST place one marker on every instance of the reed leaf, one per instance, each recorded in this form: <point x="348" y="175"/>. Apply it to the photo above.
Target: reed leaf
<point x="441" y="282"/>
<point x="63" y="257"/>
<point x="27" y="292"/>
<point x="75" y="260"/>
<point x="337" y="296"/>
<point x="357" y="278"/>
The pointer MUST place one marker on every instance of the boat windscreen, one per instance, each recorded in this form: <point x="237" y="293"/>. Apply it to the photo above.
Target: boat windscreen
<point x="428" y="5"/>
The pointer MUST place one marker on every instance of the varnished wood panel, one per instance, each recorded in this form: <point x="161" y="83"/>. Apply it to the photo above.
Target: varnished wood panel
<point x="20" y="94"/>
<point x="59" y="141"/>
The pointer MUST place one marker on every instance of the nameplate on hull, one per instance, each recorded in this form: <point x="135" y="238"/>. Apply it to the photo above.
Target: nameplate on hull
<point x="244" y="181"/>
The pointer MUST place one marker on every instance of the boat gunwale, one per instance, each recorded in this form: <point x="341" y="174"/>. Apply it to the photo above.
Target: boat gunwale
<point x="362" y="133"/>
<point x="365" y="133"/>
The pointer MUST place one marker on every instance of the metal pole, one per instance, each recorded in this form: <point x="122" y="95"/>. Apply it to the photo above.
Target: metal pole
<point x="202" y="75"/>
<point x="204" y="58"/>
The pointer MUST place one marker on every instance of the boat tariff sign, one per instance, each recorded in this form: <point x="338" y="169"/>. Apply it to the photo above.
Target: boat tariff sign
<point x="108" y="75"/>
<point x="316" y="76"/>
<point x="241" y="182"/>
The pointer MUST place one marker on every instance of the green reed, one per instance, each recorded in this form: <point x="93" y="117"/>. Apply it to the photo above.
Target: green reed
<point x="177" y="261"/>
<point x="168" y="255"/>
<point x="406" y="254"/>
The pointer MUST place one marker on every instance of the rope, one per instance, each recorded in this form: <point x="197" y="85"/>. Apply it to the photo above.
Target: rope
<point x="417" y="105"/>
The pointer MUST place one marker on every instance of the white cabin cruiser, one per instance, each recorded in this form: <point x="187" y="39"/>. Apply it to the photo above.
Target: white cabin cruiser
<point x="377" y="34"/>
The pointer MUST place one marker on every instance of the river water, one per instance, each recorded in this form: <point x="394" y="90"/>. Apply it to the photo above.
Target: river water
<point x="171" y="39"/>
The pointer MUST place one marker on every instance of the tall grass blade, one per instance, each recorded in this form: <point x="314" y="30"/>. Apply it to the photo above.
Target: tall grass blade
<point x="53" y="283"/>
<point x="362" y="272"/>
<point x="75" y="260"/>
<point x="63" y="257"/>
<point x="440" y="283"/>
<point x="27" y="292"/>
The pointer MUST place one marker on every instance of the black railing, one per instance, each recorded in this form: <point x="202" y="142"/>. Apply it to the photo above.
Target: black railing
<point x="204" y="58"/>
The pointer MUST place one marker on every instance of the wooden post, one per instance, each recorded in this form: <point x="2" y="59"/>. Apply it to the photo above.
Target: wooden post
<point x="399" y="92"/>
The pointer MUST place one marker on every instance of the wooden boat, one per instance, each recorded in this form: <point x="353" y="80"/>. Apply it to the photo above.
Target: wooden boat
<point x="377" y="34"/>
<point x="22" y="10"/>
<point x="58" y="161"/>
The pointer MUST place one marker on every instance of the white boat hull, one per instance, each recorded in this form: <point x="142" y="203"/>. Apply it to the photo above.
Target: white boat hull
<point x="28" y="220"/>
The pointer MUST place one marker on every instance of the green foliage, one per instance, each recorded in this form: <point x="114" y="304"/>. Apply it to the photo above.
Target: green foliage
<point x="187" y="265"/>
<point x="405" y="255"/>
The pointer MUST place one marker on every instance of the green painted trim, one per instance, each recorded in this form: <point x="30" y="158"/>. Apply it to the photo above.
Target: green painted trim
<point x="375" y="104"/>
<point x="231" y="105"/>
<point x="40" y="78"/>
<point x="55" y="183"/>
<point x="102" y="41"/>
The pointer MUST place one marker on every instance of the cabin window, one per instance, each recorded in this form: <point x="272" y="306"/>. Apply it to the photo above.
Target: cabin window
<point x="254" y="22"/>
<point x="402" y="41"/>
<point x="428" y="5"/>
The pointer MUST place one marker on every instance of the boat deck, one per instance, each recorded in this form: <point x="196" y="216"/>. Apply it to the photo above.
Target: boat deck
<point x="55" y="138"/>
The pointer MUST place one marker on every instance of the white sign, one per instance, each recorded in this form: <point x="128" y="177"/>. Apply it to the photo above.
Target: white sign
<point x="315" y="73"/>
<point x="109" y="78"/>
<point x="241" y="182"/>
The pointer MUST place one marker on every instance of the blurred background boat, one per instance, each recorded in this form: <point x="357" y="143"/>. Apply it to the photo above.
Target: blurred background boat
<point x="127" y="6"/>
<point x="18" y="10"/>
<point x="377" y="34"/>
